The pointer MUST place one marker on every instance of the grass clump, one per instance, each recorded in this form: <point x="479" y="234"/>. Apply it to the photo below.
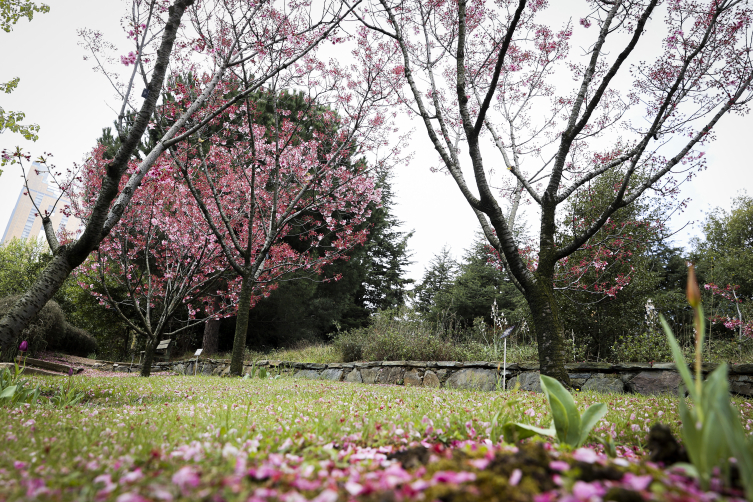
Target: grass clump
<point x="404" y="336"/>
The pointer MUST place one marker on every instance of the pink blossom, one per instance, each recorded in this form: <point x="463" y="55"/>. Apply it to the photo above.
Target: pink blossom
<point x="131" y="497"/>
<point x="587" y="491"/>
<point x="305" y="484"/>
<point x="326" y="496"/>
<point x="186" y="478"/>
<point x="515" y="477"/>
<point x="480" y="463"/>
<point x="453" y="477"/>
<point x="109" y="486"/>
<point x="559" y="465"/>
<point x="420" y="485"/>
<point x="35" y="487"/>
<point x="353" y="488"/>
<point x="637" y="483"/>
<point x="586" y="455"/>
<point x="545" y="497"/>
<point x="129" y="59"/>
<point x="132" y="477"/>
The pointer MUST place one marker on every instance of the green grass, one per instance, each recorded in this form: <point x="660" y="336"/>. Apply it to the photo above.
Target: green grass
<point x="155" y="427"/>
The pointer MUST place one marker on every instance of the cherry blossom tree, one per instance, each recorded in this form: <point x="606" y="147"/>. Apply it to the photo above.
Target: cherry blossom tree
<point x="284" y="186"/>
<point x="209" y="38"/>
<point x="494" y="79"/>
<point x="160" y="261"/>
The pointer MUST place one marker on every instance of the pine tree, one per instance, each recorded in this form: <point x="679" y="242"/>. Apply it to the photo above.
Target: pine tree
<point x="387" y="254"/>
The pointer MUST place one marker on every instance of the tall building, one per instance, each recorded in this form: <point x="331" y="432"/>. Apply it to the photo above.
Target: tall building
<point x="24" y="221"/>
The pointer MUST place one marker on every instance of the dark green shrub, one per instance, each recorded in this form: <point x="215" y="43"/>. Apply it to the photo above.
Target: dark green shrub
<point x="45" y="326"/>
<point x="49" y="330"/>
<point x="651" y="345"/>
<point x="75" y="341"/>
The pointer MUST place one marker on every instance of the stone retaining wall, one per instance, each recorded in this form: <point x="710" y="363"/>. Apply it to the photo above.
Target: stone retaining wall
<point x="633" y="377"/>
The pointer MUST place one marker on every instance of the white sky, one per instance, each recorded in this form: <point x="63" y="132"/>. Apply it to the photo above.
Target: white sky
<point x="60" y="92"/>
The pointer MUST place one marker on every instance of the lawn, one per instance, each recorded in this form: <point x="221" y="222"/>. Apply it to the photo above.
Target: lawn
<point x="172" y="438"/>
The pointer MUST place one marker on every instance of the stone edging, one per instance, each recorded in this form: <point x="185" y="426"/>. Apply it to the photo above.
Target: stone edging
<point x="640" y="378"/>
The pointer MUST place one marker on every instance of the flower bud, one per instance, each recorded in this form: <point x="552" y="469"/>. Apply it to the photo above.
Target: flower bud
<point x="693" y="293"/>
<point x="24" y="346"/>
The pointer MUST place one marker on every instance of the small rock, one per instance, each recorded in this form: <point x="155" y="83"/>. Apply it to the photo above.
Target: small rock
<point x="604" y="383"/>
<point x="473" y="379"/>
<point x="529" y="380"/>
<point x="655" y="382"/>
<point x="312" y="374"/>
<point x="391" y="375"/>
<point x="369" y="375"/>
<point x="412" y="379"/>
<point x="431" y="380"/>
<point x="332" y="374"/>
<point x="354" y="377"/>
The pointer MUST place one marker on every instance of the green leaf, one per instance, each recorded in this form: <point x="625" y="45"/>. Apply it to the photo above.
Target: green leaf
<point x="740" y="447"/>
<point x="679" y="360"/>
<point x="566" y="414"/>
<point x="590" y="418"/>
<point x="513" y="431"/>
<point x="8" y="392"/>
<point x="689" y="469"/>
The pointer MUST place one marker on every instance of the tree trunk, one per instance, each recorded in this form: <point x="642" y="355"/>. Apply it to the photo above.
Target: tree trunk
<point x="241" y="325"/>
<point x="211" y="337"/>
<point x="31" y="302"/>
<point x="146" y="367"/>
<point x="550" y="333"/>
<point x="69" y="256"/>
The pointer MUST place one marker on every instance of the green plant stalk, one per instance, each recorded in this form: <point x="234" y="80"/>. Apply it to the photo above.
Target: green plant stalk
<point x="700" y="329"/>
<point x="711" y="430"/>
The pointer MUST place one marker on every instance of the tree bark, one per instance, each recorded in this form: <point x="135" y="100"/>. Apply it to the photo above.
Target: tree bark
<point x="69" y="256"/>
<point x="32" y="301"/>
<point x="146" y="367"/>
<point x="550" y="332"/>
<point x="241" y="325"/>
<point x="211" y="337"/>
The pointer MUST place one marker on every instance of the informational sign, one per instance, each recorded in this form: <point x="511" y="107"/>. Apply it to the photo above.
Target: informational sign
<point x="507" y="332"/>
<point x="198" y="352"/>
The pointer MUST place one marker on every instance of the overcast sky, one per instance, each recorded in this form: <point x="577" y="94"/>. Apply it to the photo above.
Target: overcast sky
<point x="60" y="92"/>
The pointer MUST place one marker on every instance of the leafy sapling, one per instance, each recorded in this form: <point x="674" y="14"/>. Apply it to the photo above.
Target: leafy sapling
<point x="711" y="429"/>
<point x="569" y="426"/>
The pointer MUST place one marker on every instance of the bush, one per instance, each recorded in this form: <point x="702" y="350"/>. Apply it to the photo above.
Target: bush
<point x="48" y="323"/>
<point x="651" y="345"/>
<point x="49" y="330"/>
<point x="403" y="336"/>
<point x="75" y="341"/>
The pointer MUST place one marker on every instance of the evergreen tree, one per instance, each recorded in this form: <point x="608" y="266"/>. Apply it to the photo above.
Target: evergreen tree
<point x="434" y="290"/>
<point x="387" y="255"/>
<point x="453" y="293"/>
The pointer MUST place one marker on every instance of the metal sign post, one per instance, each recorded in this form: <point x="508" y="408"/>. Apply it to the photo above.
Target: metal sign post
<point x="195" y="366"/>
